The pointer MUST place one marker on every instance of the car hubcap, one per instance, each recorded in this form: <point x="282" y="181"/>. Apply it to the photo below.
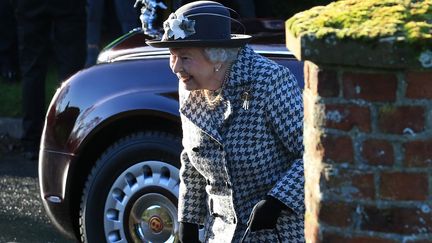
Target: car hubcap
<point x="153" y="216"/>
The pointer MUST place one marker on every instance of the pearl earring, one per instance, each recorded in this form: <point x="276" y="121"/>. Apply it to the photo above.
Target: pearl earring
<point x="217" y="68"/>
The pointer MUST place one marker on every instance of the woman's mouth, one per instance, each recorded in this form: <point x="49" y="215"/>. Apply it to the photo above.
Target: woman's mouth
<point x="184" y="79"/>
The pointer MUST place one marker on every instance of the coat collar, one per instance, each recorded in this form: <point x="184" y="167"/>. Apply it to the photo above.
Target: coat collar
<point x="194" y="104"/>
<point x="242" y="70"/>
<point x="196" y="109"/>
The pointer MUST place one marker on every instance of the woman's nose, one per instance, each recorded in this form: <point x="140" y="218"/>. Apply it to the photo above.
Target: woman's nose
<point x="176" y="66"/>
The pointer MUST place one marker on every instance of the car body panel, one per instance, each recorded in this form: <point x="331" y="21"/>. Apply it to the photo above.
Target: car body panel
<point x="93" y="95"/>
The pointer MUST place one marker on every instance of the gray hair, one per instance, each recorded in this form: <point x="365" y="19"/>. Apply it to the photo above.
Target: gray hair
<point x="221" y="54"/>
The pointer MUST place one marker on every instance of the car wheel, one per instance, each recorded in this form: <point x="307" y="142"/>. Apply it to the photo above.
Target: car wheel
<point x="131" y="193"/>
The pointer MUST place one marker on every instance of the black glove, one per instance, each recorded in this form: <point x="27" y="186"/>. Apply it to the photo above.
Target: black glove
<point x="265" y="214"/>
<point x="188" y="233"/>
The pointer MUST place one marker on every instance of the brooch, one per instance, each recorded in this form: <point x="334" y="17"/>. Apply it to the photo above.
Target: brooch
<point x="246" y="96"/>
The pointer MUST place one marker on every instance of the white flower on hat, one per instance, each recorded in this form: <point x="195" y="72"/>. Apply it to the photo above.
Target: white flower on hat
<point x="178" y="27"/>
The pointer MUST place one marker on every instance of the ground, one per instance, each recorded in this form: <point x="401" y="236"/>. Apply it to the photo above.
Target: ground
<point x="22" y="216"/>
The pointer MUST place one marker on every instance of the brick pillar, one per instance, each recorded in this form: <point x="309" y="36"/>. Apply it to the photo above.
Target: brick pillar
<point x="368" y="154"/>
<point x="368" y="139"/>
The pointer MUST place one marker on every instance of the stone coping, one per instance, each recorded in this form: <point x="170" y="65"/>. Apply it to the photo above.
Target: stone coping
<point x="370" y="33"/>
<point x="383" y="53"/>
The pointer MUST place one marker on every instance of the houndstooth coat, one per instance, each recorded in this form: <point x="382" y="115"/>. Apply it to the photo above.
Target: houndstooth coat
<point x="234" y="155"/>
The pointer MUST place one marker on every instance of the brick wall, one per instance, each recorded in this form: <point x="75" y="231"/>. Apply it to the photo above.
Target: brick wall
<point x="368" y="154"/>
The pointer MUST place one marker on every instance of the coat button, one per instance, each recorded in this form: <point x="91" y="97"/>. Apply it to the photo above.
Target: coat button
<point x="228" y="185"/>
<point x="196" y="149"/>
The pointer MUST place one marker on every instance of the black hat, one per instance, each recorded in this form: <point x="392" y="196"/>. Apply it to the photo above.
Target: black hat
<point x="200" y="24"/>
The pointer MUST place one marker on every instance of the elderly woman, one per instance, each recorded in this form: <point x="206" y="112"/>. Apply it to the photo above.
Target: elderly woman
<point x="242" y="169"/>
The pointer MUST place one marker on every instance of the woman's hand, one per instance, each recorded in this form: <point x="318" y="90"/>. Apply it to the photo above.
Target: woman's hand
<point x="188" y="233"/>
<point x="265" y="214"/>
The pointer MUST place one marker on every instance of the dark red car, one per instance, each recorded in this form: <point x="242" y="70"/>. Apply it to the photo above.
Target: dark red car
<point x="109" y="159"/>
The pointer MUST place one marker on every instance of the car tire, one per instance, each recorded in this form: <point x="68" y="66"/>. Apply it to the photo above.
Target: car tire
<point x="131" y="192"/>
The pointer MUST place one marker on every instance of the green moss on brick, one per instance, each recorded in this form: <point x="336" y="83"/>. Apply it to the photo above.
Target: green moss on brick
<point x="401" y="20"/>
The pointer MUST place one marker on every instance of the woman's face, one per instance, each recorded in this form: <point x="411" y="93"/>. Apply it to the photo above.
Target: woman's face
<point x="193" y="69"/>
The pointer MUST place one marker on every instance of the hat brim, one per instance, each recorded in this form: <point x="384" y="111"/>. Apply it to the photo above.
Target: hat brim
<point x="235" y="41"/>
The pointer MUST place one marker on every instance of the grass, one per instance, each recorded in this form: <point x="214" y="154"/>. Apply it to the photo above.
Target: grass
<point x="10" y="94"/>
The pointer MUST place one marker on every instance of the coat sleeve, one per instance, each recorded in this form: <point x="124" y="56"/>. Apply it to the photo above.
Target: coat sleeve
<point x="192" y="206"/>
<point x="285" y="114"/>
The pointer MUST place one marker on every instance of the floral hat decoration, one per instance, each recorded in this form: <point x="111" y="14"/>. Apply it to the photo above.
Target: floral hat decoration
<point x="200" y="24"/>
